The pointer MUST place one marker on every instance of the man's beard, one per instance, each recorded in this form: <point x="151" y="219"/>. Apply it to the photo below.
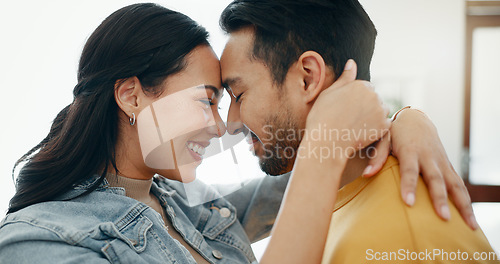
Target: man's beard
<point x="280" y="151"/>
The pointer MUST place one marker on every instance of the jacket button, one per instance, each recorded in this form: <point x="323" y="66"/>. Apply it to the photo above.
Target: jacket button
<point x="224" y="212"/>
<point x="217" y="254"/>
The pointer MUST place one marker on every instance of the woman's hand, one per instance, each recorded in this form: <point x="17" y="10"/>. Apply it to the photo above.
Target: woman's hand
<point x="416" y="144"/>
<point x="348" y="113"/>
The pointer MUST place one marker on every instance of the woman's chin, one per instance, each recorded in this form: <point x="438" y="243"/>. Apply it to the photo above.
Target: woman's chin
<point x="188" y="172"/>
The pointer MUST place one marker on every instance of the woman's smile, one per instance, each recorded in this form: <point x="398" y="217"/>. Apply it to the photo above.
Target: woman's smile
<point x="197" y="149"/>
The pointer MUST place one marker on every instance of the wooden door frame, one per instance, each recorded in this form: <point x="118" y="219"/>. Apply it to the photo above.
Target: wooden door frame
<point x="478" y="192"/>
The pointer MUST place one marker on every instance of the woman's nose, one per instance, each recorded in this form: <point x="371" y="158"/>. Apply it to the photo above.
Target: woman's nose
<point x="221" y="127"/>
<point x="217" y="126"/>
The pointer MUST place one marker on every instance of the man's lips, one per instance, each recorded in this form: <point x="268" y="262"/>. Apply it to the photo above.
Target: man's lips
<point x="254" y="143"/>
<point x="252" y="139"/>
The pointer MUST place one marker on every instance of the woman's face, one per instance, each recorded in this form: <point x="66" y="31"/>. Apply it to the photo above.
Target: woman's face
<point x="175" y="128"/>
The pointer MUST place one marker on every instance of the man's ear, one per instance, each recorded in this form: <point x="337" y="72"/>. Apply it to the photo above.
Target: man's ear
<point x="127" y="95"/>
<point x="314" y="73"/>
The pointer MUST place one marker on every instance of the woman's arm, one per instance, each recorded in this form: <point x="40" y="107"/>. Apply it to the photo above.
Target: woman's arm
<point x="301" y="228"/>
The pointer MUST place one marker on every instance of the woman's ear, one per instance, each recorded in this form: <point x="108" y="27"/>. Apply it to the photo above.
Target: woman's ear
<point x="127" y="95"/>
<point x="314" y="73"/>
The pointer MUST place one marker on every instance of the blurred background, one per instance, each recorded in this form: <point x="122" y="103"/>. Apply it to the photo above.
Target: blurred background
<point x="441" y="56"/>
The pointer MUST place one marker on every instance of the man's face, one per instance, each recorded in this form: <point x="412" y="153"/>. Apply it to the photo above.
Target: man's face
<point x="258" y="105"/>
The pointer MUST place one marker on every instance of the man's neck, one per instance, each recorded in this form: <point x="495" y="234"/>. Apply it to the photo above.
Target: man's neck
<point x="354" y="169"/>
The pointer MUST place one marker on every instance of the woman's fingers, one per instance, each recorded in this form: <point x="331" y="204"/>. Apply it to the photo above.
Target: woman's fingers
<point x="378" y="156"/>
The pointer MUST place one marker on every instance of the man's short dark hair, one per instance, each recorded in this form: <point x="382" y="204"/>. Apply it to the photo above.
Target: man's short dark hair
<point x="284" y="29"/>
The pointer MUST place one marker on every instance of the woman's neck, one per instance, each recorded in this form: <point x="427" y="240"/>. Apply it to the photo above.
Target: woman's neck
<point x="129" y="161"/>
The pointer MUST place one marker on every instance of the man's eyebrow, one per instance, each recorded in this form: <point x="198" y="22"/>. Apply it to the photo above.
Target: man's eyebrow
<point x="216" y="91"/>
<point x="229" y="82"/>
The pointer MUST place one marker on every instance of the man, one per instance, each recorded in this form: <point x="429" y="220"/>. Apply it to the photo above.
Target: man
<point x="280" y="56"/>
<point x="263" y="68"/>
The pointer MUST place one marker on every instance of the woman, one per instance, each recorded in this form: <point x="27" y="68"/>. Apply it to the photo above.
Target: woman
<point x="145" y="104"/>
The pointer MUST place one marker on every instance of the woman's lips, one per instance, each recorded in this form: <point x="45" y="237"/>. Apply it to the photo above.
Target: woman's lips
<point x="197" y="149"/>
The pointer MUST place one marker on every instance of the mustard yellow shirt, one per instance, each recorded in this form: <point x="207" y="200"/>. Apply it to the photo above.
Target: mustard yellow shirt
<point x="372" y="224"/>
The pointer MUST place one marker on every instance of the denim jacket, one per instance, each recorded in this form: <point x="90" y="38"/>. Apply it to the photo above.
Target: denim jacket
<point x="105" y="226"/>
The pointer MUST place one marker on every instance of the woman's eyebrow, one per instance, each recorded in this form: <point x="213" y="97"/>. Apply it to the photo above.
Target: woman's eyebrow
<point x="216" y="91"/>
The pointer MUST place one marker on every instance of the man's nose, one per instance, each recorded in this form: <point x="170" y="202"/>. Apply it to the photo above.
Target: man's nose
<point x="217" y="127"/>
<point x="234" y="124"/>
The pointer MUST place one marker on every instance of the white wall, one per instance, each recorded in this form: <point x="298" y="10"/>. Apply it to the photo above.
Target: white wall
<point x="420" y="50"/>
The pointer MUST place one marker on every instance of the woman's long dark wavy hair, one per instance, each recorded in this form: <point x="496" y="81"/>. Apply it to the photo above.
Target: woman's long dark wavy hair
<point x="143" y="40"/>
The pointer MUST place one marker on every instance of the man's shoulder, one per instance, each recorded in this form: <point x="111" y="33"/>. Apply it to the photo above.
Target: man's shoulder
<point x="376" y="190"/>
<point x="376" y="219"/>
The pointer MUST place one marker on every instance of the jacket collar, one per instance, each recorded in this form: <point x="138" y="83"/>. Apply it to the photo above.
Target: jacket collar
<point x="81" y="188"/>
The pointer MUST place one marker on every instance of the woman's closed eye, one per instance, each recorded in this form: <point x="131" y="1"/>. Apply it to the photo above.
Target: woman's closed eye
<point x="207" y="102"/>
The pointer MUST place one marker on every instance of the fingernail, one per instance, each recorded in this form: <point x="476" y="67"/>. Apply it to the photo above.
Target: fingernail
<point x="445" y="212"/>
<point x="349" y="65"/>
<point x="367" y="170"/>
<point x="473" y="222"/>
<point x="410" y="199"/>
